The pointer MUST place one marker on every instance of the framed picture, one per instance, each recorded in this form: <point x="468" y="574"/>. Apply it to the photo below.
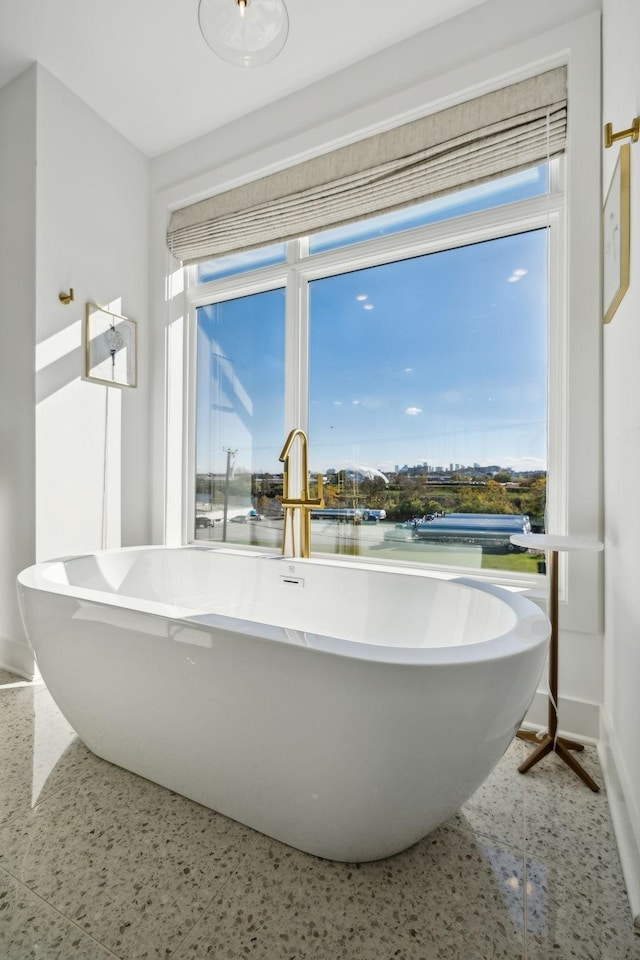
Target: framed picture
<point x="111" y="347"/>
<point x="616" y="231"/>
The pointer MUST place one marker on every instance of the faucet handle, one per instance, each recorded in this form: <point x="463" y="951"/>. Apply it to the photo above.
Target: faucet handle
<point x="319" y="500"/>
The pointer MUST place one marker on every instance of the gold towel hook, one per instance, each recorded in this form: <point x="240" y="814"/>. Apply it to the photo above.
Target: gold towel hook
<point x="66" y="297"/>
<point x="633" y="132"/>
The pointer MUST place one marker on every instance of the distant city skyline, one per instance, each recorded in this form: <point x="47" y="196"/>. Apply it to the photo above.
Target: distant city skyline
<point x="435" y="470"/>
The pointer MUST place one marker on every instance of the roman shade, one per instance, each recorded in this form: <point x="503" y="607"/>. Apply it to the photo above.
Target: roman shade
<point x="498" y="133"/>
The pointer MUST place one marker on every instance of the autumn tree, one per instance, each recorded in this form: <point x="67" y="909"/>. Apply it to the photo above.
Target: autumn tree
<point x="490" y="498"/>
<point x="534" y="500"/>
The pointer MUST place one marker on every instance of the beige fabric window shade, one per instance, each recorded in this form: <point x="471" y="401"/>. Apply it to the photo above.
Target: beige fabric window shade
<point x="501" y="132"/>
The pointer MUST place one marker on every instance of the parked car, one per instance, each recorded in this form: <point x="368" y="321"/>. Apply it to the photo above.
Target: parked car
<point x="248" y="517"/>
<point x="202" y="521"/>
<point x="375" y="515"/>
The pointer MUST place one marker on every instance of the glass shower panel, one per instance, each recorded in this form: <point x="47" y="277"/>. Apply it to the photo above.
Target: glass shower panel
<point x="240" y="420"/>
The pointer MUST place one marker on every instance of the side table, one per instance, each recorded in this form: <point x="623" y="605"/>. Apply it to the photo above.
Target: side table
<point x="550" y="741"/>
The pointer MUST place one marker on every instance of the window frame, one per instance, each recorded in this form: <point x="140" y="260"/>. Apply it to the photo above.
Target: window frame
<point x="547" y="211"/>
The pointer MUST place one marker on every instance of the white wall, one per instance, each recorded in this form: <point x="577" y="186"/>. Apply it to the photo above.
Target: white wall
<point x="492" y="45"/>
<point x="621" y="710"/>
<point x="75" y="469"/>
<point x="92" y="445"/>
<point x="482" y="45"/>
<point x="17" y="340"/>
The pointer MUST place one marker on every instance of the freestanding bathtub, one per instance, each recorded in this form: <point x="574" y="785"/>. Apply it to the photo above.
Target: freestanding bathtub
<point x="343" y="708"/>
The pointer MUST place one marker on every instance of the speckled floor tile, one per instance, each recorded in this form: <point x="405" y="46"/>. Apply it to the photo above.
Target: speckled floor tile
<point x="34" y="738"/>
<point x="131" y="863"/>
<point x="574" y="917"/>
<point x="31" y="930"/>
<point x="128" y="867"/>
<point x="496" y="809"/>
<point x="450" y="897"/>
<point x="566" y="822"/>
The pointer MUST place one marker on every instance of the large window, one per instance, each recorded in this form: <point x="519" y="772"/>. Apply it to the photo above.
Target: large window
<point x="415" y="354"/>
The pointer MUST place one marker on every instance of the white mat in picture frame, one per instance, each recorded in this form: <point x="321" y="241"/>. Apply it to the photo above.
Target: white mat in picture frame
<point x="111" y="347"/>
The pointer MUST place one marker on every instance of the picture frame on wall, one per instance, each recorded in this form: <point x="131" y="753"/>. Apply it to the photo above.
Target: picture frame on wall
<point x="616" y="221"/>
<point x="111" y="347"/>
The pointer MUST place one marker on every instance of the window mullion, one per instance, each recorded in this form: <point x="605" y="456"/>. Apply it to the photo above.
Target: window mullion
<point x="558" y="353"/>
<point x="296" y="404"/>
<point x="296" y="351"/>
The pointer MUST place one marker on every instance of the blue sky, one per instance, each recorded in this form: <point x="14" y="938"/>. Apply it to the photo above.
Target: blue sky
<point x="439" y="359"/>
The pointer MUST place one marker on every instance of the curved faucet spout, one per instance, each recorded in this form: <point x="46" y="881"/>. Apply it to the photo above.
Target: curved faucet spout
<point x="304" y="465"/>
<point x="296" y="432"/>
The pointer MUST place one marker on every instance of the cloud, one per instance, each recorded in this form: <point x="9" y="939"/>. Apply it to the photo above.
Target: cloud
<point x="337" y="403"/>
<point x="413" y="411"/>
<point x="408" y="369"/>
<point x="517" y="275"/>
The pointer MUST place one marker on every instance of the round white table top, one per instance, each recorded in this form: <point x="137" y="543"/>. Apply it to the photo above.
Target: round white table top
<point x="546" y="541"/>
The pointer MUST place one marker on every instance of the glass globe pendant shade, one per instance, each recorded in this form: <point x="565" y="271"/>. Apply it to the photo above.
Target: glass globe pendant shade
<point x="247" y="33"/>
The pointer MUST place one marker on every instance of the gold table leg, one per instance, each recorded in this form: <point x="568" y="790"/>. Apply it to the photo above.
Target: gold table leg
<point x="550" y="742"/>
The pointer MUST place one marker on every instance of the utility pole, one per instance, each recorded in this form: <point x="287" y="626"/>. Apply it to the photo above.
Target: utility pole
<point x="230" y="454"/>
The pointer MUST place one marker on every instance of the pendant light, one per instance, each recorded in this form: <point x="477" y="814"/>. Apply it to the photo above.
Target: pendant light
<point x="247" y="33"/>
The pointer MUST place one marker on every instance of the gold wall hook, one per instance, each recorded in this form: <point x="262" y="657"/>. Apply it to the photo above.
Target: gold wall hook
<point x="633" y="132"/>
<point x="66" y="297"/>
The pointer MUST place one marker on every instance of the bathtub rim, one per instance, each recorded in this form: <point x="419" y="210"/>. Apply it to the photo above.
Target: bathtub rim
<point x="531" y="629"/>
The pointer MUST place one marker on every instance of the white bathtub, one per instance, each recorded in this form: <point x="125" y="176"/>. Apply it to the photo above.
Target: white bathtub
<point x="344" y="709"/>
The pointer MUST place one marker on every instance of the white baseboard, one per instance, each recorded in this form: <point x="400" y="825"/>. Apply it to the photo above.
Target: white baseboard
<point x="625" y="815"/>
<point x="16" y="657"/>
<point x="577" y="719"/>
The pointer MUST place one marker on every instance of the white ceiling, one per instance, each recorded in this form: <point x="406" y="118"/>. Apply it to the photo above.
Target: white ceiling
<point x="145" y="68"/>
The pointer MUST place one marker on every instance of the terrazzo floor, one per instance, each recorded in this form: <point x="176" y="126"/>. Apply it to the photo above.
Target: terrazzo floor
<point x="96" y="863"/>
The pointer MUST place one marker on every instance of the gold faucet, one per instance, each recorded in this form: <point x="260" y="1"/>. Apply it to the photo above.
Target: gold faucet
<point x="304" y="503"/>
